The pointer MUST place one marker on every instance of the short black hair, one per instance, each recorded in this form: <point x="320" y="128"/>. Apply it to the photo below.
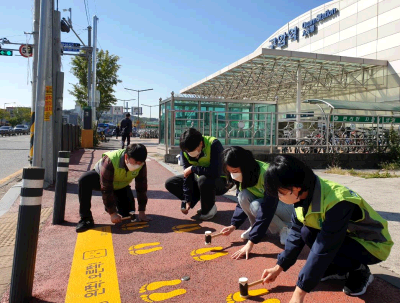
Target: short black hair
<point x="236" y="156"/>
<point x="190" y="139"/>
<point x="287" y="172"/>
<point x="137" y="152"/>
<point x="127" y="115"/>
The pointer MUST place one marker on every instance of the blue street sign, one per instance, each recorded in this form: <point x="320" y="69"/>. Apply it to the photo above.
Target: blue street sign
<point x="71" y="49"/>
<point x="70" y="44"/>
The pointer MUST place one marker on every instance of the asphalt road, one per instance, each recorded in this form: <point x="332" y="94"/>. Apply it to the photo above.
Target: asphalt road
<point x="14" y="152"/>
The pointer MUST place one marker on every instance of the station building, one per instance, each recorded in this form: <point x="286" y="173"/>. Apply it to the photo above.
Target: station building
<point x="342" y="57"/>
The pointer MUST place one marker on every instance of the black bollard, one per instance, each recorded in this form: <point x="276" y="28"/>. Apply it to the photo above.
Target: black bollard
<point x="61" y="187"/>
<point x="27" y="235"/>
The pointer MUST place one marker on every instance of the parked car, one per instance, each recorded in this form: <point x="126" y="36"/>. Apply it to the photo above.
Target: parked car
<point x="7" y="131"/>
<point x="21" y="129"/>
<point x="107" y="128"/>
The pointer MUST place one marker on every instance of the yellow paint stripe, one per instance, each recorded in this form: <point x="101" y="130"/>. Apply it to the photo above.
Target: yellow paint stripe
<point x="93" y="276"/>
<point x="6" y="179"/>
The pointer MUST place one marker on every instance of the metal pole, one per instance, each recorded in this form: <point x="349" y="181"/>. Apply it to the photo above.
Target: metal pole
<point x="44" y="45"/>
<point x="138" y="109"/>
<point x="94" y="69"/>
<point x="61" y="187"/>
<point x="23" y="269"/>
<point x="298" y="101"/>
<point x="57" y="109"/>
<point x="89" y="56"/>
<point x="36" y="16"/>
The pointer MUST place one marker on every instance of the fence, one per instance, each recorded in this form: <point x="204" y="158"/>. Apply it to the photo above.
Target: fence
<point x="283" y="132"/>
<point x="71" y="137"/>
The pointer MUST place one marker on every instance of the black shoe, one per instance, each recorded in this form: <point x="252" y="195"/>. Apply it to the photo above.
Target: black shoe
<point x="358" y="281"/>
<point x="84" y="225"/>
<point x="331" y="273"/>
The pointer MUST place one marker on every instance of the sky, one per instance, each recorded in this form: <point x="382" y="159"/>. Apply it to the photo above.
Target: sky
<point x="163" y="45"/>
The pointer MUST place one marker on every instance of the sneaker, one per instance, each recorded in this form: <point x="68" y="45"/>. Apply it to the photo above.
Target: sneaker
<point x="331" y="273"/>
<point x="84" y="225"/>
<point x="358" y="281"/>
<point x="245" y="235"/>
<point x="283" y="234"/>
<point x="210" y="214"/>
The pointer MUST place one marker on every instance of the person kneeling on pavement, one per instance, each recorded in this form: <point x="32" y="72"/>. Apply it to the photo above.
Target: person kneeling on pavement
<point x="112" y="175"/>
<point x="344" y="232"/>
<point x="263" y="210"/>
<point x="202" y="177"/>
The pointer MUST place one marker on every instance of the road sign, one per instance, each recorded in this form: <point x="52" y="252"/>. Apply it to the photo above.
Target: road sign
<point x="70" y="44"/>
<point x="134" y="111"/>
<point x="70" y="49"/>
<point x="6" y="52"/>
<point x="26" y="50"/>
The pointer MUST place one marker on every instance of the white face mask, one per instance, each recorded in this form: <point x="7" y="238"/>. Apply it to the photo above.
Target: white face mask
<point x="132" y="167"/>
<point x="237" y="176"/>
<point x="194" y="153"/>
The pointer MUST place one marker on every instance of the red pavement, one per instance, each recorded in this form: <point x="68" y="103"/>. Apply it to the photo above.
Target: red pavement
<point x="210" y="281"/>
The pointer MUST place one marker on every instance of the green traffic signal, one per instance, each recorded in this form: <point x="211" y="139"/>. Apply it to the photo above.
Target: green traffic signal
<point x="6" y="52"/>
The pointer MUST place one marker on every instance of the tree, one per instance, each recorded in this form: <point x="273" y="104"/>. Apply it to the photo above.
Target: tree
<point x="107" y="78"/>
<point x="20" y="115"/>
<point x="4" y="115"/>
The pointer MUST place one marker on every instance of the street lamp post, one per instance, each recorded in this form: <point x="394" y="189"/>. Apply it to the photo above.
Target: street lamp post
<point x="150" y="108"/>
<point x="138" y="91"/>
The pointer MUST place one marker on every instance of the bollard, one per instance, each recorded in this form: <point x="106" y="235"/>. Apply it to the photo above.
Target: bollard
<point x="61" y="187"/>
<point x="26" y="239"/>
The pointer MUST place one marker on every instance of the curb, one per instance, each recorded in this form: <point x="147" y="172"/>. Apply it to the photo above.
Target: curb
<point x="9" y="198"/>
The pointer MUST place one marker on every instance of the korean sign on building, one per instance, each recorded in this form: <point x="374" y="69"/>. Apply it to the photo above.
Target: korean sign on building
<point x="308" y="28"/>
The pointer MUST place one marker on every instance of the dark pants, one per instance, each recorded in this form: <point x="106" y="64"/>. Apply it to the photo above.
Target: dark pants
<point x="90" y="181"/>
<point x="349" y="256"/>
<point x="126" y="137"/>
<point x="200" y="188"/>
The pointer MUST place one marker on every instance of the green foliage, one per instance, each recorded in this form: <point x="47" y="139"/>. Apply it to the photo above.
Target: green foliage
<point x="20" y="115"/>
<point x="107" y="78"/>
<point x="4" y="114"/>
<point x="394" y="145"/>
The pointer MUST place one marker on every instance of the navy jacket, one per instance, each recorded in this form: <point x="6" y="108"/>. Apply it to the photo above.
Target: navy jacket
<point x="329" y="239"/>
<point x="213" y="171"/>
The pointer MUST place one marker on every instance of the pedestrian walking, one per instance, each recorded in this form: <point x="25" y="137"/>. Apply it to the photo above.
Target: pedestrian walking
<point x="126" y="130"/>
<point x="117" y="130"/>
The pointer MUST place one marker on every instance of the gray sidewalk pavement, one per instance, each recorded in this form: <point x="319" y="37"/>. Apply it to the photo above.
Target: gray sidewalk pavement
<point x="382" y="194"/>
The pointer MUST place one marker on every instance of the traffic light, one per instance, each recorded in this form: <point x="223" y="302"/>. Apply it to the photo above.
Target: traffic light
<point x="6" y="52"/>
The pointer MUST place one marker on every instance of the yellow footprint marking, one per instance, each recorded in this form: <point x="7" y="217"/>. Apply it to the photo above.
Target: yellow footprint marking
<point x="272" y="301"/>
<point x="136" y="249"/>
<point x="199" y="254"/>
<point x="185" y="228"/>
<point x="232" y="298"/>
<point x="135" y="225"/>
<point x="156" y="297"/>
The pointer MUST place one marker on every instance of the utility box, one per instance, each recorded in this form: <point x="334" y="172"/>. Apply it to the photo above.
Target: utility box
<point x="87" y="117"/>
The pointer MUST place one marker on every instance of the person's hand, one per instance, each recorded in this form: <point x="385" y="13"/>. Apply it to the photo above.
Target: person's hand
<point x="226" y="231"/>
<point x="244" y="251"/>
<point x="270" y="274"/>
<point x="142" y="217"/>
<point x="130" y="134"/>
<point x="298" y="295"/>
<point x="187" y="172"/>
<point x="115" y="218"/>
